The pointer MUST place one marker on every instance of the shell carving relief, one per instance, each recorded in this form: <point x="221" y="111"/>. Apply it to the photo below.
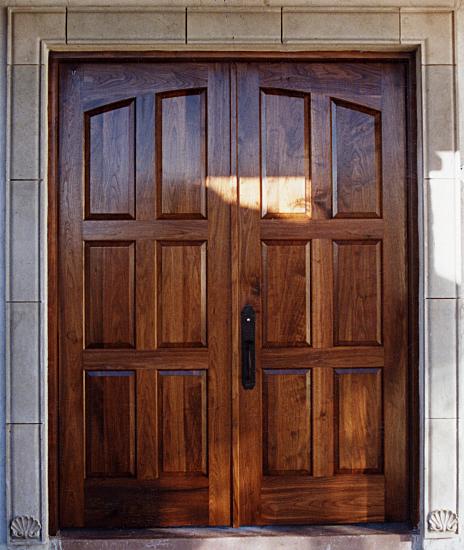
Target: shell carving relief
<point x="25" y="527"/>
<point x="443" y="521"/>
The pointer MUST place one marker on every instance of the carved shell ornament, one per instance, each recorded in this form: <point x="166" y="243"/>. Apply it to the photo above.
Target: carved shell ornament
<point x="25" y="527"/>
<point x="443" y="521"/>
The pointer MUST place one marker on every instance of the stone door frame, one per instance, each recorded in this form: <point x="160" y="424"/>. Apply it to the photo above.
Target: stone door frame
<point x="34" y="32"/>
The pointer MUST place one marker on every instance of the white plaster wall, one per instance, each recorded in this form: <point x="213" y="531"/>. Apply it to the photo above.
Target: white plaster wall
<point x="433" y="26"/>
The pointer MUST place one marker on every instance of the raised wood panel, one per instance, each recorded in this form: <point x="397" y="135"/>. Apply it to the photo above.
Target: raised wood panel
<point x="357" y="292"/>
<point x="110" y="156"/>
<point x="110" y="423"/>
<point x="287" y="293"/>
<point x="358" y="421"/>
<point x="286" y="421"/>
<point x="181" y="154"/>
<point x="285" y="153"/>
<point x="181" y="294"/>
<point x="183" y="421"/>
<point x="356" y="161"/>
<point x="109" y="294"/>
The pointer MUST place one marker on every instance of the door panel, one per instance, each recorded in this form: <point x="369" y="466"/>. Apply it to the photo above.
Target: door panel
<point x="109" y="170"/>
<point x="145" y="294"/>
<point x="187" y="191"/>
<point x="328" y="414"/>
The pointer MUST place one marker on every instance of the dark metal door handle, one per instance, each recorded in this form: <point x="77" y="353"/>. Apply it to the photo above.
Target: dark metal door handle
<point x="248" y="347"/>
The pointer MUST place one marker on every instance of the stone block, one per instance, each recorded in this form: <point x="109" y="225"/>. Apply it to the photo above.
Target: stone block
<point x="245" y="25"/>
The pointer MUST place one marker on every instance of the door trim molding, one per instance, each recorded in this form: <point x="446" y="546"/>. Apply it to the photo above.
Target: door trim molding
<point x="59" y="57"/>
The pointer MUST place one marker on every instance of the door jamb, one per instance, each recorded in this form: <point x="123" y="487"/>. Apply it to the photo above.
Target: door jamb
<point x="58" y="58"/>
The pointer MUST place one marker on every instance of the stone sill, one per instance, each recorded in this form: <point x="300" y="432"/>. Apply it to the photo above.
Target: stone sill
<point x="340" y="537"/>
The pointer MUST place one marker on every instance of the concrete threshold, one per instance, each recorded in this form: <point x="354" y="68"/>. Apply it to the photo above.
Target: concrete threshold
<point x="338" y="537"/>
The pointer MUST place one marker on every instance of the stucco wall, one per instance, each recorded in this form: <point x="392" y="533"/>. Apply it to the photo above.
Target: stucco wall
<point x="428" y="25"/>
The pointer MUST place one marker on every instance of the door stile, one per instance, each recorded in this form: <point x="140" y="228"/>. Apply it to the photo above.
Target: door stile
<point x="219" y="198"/>
<point x="235" y="294"/>
<point x="71" y="423"/>
<point x="396" y="288"/>
<point x="249" y="287"/>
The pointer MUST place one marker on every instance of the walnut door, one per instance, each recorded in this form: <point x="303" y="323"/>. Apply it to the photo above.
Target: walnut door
<point x="145" y="295"/>
<point x="187" y="192"/>
<point x="321" y="246"/>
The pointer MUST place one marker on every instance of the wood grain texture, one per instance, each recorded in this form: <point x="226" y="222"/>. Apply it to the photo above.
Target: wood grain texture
<point x="323" y="421"/>
<point x="145" y="169"/>
<point x="124" y="290"/>
<point x="249" y="408"/>
<point x="286" y="421"/>
<point x="147" y="424"/>
<point x="285" y="153"/>
<point x="286" y="293"/>
<point x="145" y="230"/>
<point x="110" y="294"/>
<point x="348" y="294"/>
<point x="356" y="161"/>
<point x="339" y="499"/>
<point x="160" y="359"/>
<point x="195" y="489"/>
<point x="181" y="150"/>
<point x="358" y="292"/>
<point x="358" y="420"/>
<point x="319" y="229"/>
<point x="219" y="306"/>
<point x="110" y="156"/>
<point x="145" y="294"/>
<point x="110" y="424"/>
<point x="322" y="297"/>
<point x="182" y="414"/>
<point x="333" y="357"/>
<point x="182" y="294"/>
<point x="71" y="290"/>
<point x="116" y="504"/>
<point x="396" y="305"/>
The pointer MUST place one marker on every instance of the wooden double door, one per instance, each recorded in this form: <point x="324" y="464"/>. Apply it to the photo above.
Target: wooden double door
<point x="187" y="191"/>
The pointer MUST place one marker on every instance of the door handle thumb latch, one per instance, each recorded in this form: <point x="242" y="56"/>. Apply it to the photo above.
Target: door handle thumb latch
<point x="248" y="347"/>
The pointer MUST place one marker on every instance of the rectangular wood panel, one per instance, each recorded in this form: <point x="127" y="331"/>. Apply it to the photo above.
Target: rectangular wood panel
<point x="357" y="292"/>
<point x="286" y="293"/>
<point x="181" y="294"/>
<point x="358" y="421"/>
<point x="183" y="421"/>
<point x="286" y="421"/>
<point x="109" y="294"/>
<point x="356" y="161"/>
<point x="181" y="154"/>
<point x="110" y="423"/>
<point x="110" y="158"/>
<point x="285" y="153"/>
